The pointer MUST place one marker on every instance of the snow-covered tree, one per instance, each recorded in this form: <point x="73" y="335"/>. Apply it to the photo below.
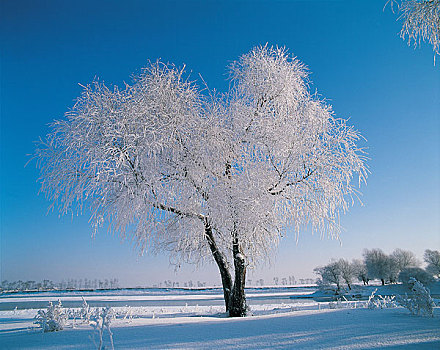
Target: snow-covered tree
<point x="330" y="274"/>
<point x="379" y="265"/>
<point x="200" y="174"/>
<point x="361" y="271"/>
<point x="337" y="272"/>
<point x="348" y="272"/>
<point x="404" y="259"/>
<point x="432" y="258"/>
<point x="399" y="261"/>
<point x="421" y="22"/>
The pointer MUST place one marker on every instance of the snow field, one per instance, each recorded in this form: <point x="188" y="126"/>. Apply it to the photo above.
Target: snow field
<point x="274" y="328"/>
<point x="300" y="324"/>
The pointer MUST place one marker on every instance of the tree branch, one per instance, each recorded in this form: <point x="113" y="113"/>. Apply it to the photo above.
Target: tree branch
<point x="275" y="192"/>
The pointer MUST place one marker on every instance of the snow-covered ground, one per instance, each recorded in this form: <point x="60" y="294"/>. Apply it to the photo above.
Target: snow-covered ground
<point x="298" y="324"/>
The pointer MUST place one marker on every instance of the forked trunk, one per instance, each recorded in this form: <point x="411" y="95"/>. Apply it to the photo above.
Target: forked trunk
<point x="237" y="302"/>
<point x="234" y="295"/>
<point x="221" y="263"/>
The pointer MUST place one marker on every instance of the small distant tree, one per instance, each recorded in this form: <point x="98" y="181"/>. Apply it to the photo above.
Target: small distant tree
<point x="292" y="280"/>
<point x="404" y="259"/>
<point x="432" y="258"/>
<point x="202" y="175"/>
<point x="330" y="274"/>
<point x="379" y="265"/>
<point x="400" y="260"/>
<point x="348" y="272"/>
<point x="361" y="271"/>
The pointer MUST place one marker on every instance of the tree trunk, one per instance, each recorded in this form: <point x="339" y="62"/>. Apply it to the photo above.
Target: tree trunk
<point x="221" y="263"/>
<point x="237" y="301"/>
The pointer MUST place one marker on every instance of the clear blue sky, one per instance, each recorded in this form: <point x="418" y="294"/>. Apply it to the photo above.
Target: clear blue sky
<point x="390" y="92"/>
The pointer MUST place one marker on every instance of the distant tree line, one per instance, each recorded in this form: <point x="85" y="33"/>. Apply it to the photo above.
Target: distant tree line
<point x="70" y="284"/>
<point x="173" y="284"/>
<point x="277" y="281"/>
<point x="399" y="266"/>
<point x="280" y="281"/>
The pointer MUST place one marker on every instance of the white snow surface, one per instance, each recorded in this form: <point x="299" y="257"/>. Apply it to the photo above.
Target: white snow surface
<point x="122" y="297"/>
<point x="306" y="325"/>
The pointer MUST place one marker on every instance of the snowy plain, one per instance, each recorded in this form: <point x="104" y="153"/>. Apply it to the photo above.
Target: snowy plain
<point x="192" y="320"/>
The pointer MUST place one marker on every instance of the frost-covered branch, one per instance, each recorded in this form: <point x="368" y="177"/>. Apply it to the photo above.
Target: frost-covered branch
<point x="421" y="22"/>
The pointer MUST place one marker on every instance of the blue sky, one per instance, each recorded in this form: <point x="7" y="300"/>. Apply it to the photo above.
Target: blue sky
<point x="390" y="92"/>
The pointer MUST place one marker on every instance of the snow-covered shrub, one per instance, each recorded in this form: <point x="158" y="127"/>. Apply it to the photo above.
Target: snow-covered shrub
<point x="336" y="305"/>
<point x="100" y="320"/>
<point x="128" y="313"/>
<point x="420" y="301"/>
<point x="52" y="319"/>
<point x="380" y="301"/>
<point x="341" y="303"/>
<point x="86" y="311"/>
<point x="82" y="314"/>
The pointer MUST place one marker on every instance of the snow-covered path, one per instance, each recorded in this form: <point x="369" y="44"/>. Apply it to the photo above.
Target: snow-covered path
<point x="320" y="329"/>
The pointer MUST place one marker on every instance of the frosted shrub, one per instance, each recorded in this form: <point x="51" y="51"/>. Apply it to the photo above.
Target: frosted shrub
<point x="100" y="320"/>
<point x="419" y="302"/>
<point x="381" y="302"/>
<point x="128" y="314"/>
<point x="52" y="319"/>
<point x="86" y="311"/>
<point x="336" y="305"/>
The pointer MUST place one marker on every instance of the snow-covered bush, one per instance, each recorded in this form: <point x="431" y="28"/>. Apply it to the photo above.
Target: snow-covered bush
<point x="419" y="302"/>
<point x="86" y="311"/>
<point x="100" y="320"/>
<point x="52" y="319"/>
<point x="336" y="304"/>
<point x="380" y="301"/>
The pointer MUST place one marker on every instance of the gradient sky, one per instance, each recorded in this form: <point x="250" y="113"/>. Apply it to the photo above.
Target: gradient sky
<point x="390" y="92"/>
